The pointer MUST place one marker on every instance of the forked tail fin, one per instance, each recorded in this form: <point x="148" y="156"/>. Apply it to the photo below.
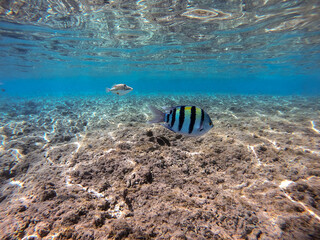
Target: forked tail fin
<point x="158" y="116"/>
<point x="108" y="90"/>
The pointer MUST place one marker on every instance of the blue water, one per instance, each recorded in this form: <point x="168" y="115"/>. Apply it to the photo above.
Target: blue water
<point x="79" y="163"/>
<point x="263" y="48"/>
<point x="150" y="84"/>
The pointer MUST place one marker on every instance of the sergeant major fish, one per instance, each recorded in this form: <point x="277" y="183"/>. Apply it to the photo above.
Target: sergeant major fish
<point x="120" y="89"/>
<point x="187" y="120"/>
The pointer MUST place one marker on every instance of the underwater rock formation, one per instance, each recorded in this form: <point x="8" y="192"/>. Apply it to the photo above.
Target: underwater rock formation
<point x="255" y="175"/>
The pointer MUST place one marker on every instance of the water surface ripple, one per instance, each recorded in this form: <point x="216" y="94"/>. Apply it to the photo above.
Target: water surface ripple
<point x="196" y="36"/>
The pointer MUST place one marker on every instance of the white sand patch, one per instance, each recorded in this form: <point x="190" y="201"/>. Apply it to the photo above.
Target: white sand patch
<point x="313" y="127"/>
<point x="47" y="157"/>
<point x="240" y="186"/>
<point x="110" y="150"/>
<point x="142" y="6"/>
<point x="284" y="184"/>
<point x="45" y="137"/>
<point x="54" y="236"/>
<point x="78" y="146"/>
<point x="111" y="135"/>
<point x="16" y="182"/>
<point x="276" y="132"/>
<point x="86" y="189"/>
<point x="129" y="142"/>
<point x="31" y="237"/>
<point x="17" y="129"/>
<point x="193" y="153"/>
<point x="79" y="136"/>
<point x="234" y="116"/>
<point x="131" y="162"/>
<point x="274" y="143"/>
<point x="95" y="193"/>
<point x="16" y="153"/>
<point x="260" y="115"/>
<point x="306" y="150"/>
<point x="251" y="148"/>
<point x="312" y="213"/>
<point x="116" y="212"/>
<point x="54" y="126"/>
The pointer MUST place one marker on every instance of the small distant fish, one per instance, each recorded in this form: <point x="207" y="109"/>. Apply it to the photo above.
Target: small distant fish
<point x="120" y="89"/>
<point x="187" y="120"/>
<point x="3" y="90"/>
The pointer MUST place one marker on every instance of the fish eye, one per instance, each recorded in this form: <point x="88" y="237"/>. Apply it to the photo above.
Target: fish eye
<point x="210" y="123"/>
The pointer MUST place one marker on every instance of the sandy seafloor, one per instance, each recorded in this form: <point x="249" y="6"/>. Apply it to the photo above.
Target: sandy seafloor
<point x="92" y="168"/>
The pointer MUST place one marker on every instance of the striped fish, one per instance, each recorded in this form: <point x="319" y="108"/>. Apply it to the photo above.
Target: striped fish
<point x="187" y="120"/>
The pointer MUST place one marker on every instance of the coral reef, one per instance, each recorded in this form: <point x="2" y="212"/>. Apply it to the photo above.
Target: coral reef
<point x="92" y="168"/>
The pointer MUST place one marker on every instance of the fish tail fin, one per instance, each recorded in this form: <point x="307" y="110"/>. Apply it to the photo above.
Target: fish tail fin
<point x="158" y="116"/>
<point x="108" y="90"/>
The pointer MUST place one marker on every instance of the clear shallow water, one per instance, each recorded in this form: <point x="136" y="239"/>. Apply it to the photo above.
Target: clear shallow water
<point x="93" y="164"/>
<point x="256" y="47"/>
<point x="78" y="163"/>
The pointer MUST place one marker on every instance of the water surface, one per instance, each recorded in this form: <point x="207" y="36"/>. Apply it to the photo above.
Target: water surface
<point x="79" y="163"/>
<point x="252" y="47"/>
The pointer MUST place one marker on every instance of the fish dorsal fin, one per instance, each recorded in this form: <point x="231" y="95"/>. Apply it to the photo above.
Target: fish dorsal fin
<point x="168" y="109"/>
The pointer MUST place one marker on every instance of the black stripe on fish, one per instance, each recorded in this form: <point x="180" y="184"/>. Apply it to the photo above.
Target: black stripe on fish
<point x="167" y="117"/>
<point x="192" y="118"/>
<point x="202" y="120"/>
<point x="173" y="119"/>
<point x="181" y="118"/>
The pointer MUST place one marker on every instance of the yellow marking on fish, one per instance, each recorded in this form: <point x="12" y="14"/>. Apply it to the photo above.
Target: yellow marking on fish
<point x="187" y="111"/>
<point x="198" y="111"/>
